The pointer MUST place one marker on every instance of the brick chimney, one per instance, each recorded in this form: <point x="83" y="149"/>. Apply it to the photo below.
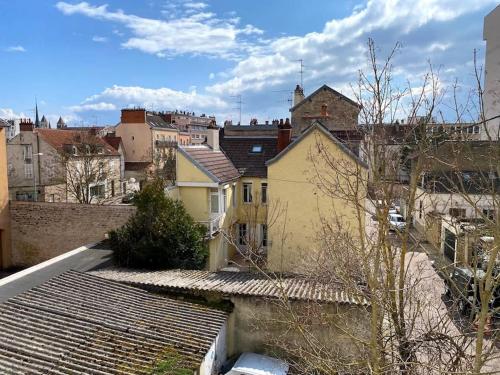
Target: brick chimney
<point x="324" y="110"/>
<point x="26" y="125"/>
<point x="213" y="135"/>
<point x="298" y="95"/>
<point x="284" y="134"/>
<point x="133" y="116"/>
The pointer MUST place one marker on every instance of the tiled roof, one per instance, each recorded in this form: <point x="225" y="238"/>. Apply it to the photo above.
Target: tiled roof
<point x="253" y="164"/>
<point x="80" y="324"/>
<point x="137" y="165"/>
<point x="58" y="138"/>
<point x="216" y="163"/>
<point x="156" y="121"/>
<point x="113" y="141"/>
<point x="233" y="283"/>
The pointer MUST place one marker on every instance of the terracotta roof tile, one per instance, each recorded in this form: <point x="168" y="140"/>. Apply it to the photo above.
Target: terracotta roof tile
<point x="59" y="138"/>
<point x="215" y="162"/>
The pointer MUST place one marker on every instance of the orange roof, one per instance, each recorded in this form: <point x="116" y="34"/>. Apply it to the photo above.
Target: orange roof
<point x="59" y="138"/>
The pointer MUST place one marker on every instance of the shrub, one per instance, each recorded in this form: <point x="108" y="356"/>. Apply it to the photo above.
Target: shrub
<point x="160" y="235"/>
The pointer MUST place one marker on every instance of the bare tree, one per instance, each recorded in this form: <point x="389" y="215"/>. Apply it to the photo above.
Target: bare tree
<point x="91" y="169"/>
<point x="408" y="328"/>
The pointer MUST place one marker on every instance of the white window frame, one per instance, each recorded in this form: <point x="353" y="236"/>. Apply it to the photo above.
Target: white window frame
<point x="224" y="200"/>
<point x="263" y="187"/>
<point x="28" y="170"/>
<point x="242" y="240"/>
<point x="214" y="193"/>
<point x="247" y="186"/>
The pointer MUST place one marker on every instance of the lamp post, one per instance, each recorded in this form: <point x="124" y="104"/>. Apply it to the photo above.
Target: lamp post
<point x="35" y="197"/>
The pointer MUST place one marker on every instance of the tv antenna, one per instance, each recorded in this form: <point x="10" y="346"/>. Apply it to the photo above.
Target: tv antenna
<point x="289" y="98"/>
<point x="301" y="71"/>
<point x="238" y="103"/>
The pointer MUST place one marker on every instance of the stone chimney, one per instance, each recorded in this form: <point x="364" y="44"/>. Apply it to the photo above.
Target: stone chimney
<point x="26" y="125"/>
<point x="213" y="136"/>
<point x="298" y="95"/>
<point x="133" y="116"/>
<point x="284" y="134"/>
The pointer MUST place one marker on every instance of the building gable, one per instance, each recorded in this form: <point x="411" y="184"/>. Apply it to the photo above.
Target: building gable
<point x="189" y="170"/>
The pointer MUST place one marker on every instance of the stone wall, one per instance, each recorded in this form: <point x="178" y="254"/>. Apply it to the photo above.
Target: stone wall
<point x="41" y="231"/>
<point x="341" y="113"/>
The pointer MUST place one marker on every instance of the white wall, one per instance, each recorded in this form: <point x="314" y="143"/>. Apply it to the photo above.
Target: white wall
<point x="491" y="34"/>
<point x="216" y="356"/>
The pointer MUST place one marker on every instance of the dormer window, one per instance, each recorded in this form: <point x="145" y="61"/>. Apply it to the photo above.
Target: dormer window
<point x="256" y="149"/>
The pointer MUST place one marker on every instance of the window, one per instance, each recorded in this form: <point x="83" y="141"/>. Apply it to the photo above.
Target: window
<point x="476" y="129"/>
<point x="420" y="209"/>
<point x="263" y="229"/>
<point x="27" y="154"/>
<point x="242" y="234"/>
<point x="489" y="213"/>
<point x="247" y="192"/>
<point x="256" y="149"/>
<point x="214" y="201"/>
<point x="98" y="191"/>
<point x="233" y="195"/>
<point x="28" y="170"/>
<point x="224" y="200"/>
<point x="457" y="212"/>
<point x="263" y="194"/>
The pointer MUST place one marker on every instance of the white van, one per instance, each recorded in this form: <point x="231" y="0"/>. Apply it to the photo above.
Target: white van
<point x="257" y="364"/>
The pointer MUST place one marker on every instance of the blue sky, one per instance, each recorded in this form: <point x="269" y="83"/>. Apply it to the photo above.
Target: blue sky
<point x="86" y="60"/>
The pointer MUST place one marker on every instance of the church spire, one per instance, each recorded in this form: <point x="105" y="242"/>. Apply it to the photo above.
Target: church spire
<point x="37" y="120"/>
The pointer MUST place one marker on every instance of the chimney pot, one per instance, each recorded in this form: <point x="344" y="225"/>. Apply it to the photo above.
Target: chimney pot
<point x="281" y="121"/>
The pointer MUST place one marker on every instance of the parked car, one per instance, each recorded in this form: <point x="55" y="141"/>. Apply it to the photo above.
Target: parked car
<point x="258" y="364"/>
<point x="396" y="222"/>
<point x="463" y="286"/>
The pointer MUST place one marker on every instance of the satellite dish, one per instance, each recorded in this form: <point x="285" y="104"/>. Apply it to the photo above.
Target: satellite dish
<point x="131" y="180"/>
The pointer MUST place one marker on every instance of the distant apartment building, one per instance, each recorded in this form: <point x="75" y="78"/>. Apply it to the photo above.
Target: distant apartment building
<point x="52" y="165"/>
<point x="189" y="124"/>
<point x="4" y="201"/>
<point x="491" y="98"/>
<point x="147" y="138"/>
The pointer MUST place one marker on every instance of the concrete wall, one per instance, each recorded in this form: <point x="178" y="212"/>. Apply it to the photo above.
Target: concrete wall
<point x="137" y="141"/>
<point x="256" y="323"/>
<point x="343" y="115"/>
<point x="4" y="201"/>
<point x="41" y="231"/>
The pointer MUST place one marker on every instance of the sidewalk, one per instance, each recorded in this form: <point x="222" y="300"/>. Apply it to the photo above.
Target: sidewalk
<point x="440" y="262"/>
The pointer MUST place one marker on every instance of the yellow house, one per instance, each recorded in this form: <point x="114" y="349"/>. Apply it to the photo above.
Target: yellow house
<point x="264" y="196"/>
<point x="4" y="202"/>
<point x="298" y="179"/>
<point x="206" y="184"/>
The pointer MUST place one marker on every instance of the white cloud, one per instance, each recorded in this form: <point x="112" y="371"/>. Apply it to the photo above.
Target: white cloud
<point x="99" y="39"/>
<point x="100" y="106"/>
<point x="15" y="49"/>
<point x="197" y="33"/>
<point x="193" y="5"/>
<point x="159" y="98"/>
<point x="9" y="114"/>
<point x="338" y="51"/>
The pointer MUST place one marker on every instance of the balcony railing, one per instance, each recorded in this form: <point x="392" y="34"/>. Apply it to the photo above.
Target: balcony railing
<point x="213" y="225"/>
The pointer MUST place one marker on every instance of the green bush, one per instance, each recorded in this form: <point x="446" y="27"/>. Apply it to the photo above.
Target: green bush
<point x="160" y="235"/>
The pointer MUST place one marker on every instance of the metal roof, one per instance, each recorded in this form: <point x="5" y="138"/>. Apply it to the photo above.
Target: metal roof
<point x="234" y="283"/>
<point x="81" y="324"/>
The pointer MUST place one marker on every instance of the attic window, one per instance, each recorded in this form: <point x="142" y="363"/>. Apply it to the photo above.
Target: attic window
<point x="256" y="149"/>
